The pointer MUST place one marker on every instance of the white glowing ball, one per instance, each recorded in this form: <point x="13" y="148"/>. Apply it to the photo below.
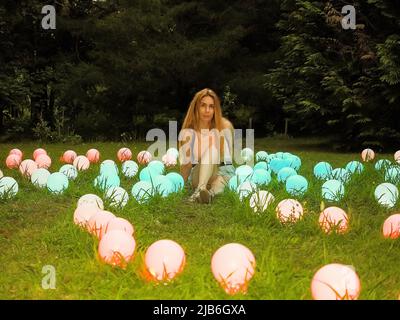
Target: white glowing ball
<point x="245" y="189"/>
<point x="247" y="154"/>
<point x="1" y="174"/>
<point x="130" y="168"/>
<point x="39" y="177"/>
<point x="397" y="157"/>
<point x="117" y="196"/>
<point x="173" y="152"/>
<point x="367" y="155"/>
<point x="386" y="194"/>
<point x="81" y="163"/>
<point x="91" y="199"/>
<point x="70" y="171"/>
<point x="289" y="211"/>
<point x="259" y="201"/>
<point x="8" y="187"/>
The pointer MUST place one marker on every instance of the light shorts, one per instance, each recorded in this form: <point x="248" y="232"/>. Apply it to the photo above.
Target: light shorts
<point x="227" y="171"/>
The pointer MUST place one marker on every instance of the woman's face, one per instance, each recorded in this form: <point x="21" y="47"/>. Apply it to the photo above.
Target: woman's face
<point x="206" y="109"/>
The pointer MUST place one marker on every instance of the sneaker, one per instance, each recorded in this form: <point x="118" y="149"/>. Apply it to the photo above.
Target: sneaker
<point x="195" y="196"/>
<point x="206" y="196"/>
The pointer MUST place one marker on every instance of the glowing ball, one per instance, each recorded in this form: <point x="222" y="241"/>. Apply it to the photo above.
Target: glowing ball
<point x="333" y="219"/>
<point x="69" y="170"/>
<point x="69" y="156"/>
<point x="83" y="213"/>
<point x="279" y="155"/>
<point x="173" y="152"/>
<point x="163" y="186"/>
<point x="108" y="167"/>
<point x="289" y="211"/>
<point x="57" y="182"/>
<point x="120" y="224"/>
<point x="13" y="161"/>
<point x="233" y="183"/>
<point x="124" y="154"/>
<point x="261" y="165"/>
<point x="233" y="266"/>
<point x="247" y="154"/>
<point x="261" y="156"/>
<point x="98" y="222"/>
<point x="244" y="171"/>
<point x="294" y="162"/>
<point x="285" y="173"/>
<point x="144" y="157"/>
<point x="130" y="168"/>
<point x="142" y="191"/>
<point x="39" y="177"/>
<point x="27" y="167"/>
<point x="147" y="174"/>
<point x="341" y="174"/>
<point x="117" y="248"/>
<point x="91" y="200"/>
<point x="322" y="170"/>
<point x="8" y="187"/>
<point x="81" y="163"/>
<point x="392" y="174"/>
<point x="367" y="155"/>
<point x="386" y="194"/>
<point x="397" y="157"/>
<point x="17" y="152"/>
<point x="37" y="152"/>
<point x="261" y="177"/>
<point x="43" y="161"/>
<point x="156" y="166"/>
<point x="296" y="185"/>
<point x="169" y="160"/>
<point x="93" y="155"/>
<point x="164" y="260"/>
<point x="391" y="227"/>
<point x="245" y="189"/>
<point x="259" y="201"/>
<point x="335" y="282"/>
<point x="106" y="181"/>
<point x="117" y="196"/>
<point x="382" y="164"/>
<point x="287" y="155"/>
<point x="177" y="181"/>
<point x="355" y="167"/>
<point x="333" y="190"/>
<point x="1" y="174"/>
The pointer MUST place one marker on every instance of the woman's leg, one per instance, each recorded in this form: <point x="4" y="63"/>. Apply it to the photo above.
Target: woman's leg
<point x="208" y="167"/>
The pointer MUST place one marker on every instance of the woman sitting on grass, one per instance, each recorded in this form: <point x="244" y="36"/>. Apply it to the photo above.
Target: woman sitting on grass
<point x="206" y="147"/>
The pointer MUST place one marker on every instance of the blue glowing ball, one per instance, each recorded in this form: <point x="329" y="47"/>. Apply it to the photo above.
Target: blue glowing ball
<point x="244" y="171"/>
<point x="294" y="162"/>
<point x="130" y="168"/>
<point x="57" y="182"/>
<point x="156" y="166"/>
<point x="279" y="155"/>
<point x="260" y="177"/>
<point x="142" y="191"/>
<point x="233" y="183"/>
<point x="261" y="156"/>
<point x="106" y="181"/>
<point x="296" y="185"/>
<point x="8" y="187"/>
<point x="40" y="176"/>
<point x="382" y="164"/>
<point x="163" y="186"/>
<point x="177" y="181"/>
<point x="147" y="174"/>
<point x="322" y="170"/>
<point x="70" y="171"/>
<point x="108" y="167"/>
<point x="387" y="195"/>
<point x="285" y="173"/>
<point x="341" y="175"/>
<point x="392" y="174"/>
<point x="333" y="190"/>
<point x="287" y="155"/>
<point x="261" y="165"/>
<point x="277" y="164"/>
<point x="355" y="167"/>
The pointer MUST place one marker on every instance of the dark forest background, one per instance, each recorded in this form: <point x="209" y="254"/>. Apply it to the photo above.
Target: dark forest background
<point x="114" y="69"/>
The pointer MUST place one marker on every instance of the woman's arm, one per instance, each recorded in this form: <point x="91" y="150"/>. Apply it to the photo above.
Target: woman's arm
<point x="185" y="171"/>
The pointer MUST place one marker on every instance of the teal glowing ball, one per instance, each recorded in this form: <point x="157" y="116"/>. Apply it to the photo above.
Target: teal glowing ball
<point x="355" y="167"/>
<point x="261" y="165"/>
<point x="177" y="180"/>
<point x="341" y="175"/>
<point x="39" y="177"/>
<point x="70" y="171"/>
<point x="333" y="190"/>
<point x="156" y="166"/>
<point x="285" y="173"/>
<point x="277" y="164"/>
<point x="392" y="174"/>
<point x="106" y="181"/>
<point x="287" y="155"/>
<point x="280" y="155"/>
<point x="296" y="185"/>
<point x="261" y="177"/>
<point x="117" y="196"/>
<point x="57" y="183"/>
<point x="163" y="186"/>
<point x="294" y="162"/>
<point x="271" y="156"/>
<point x="387" y="195"/>
<point x="142" y="191"/>
<point x="148" y="174"/>
<point x="244" y="171"/>
<point x="8" y="187"/>
<point x="108" y="167"/>
<point x="233" y="183"/>
<point x="130" y="168"/>
<point x="382" y="164"/>
<point x="322" y="170"/>
<point x="261" y="156"/>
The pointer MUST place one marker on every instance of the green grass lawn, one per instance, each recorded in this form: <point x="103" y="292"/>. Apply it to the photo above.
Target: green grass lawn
<point x="37" y="229"/>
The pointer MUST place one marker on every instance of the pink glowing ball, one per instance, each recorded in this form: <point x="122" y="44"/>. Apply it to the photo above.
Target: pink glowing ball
<point x="117" y="248"/>
<point x="367" y="155"/>
<point x="120" y="224"/>
<point x="27" y="167"/>
<point x="97" y="223"/>
<point x="17" y="152"/>
<point x="391" y="227"/>
<point x="83" y="214"/>
<point x="335" y="282"/>
<point x="93" y="155"/>
<point x="233" y="266"/>
<point x="13" y="161"/>
<point x="169" y="160"/>
<point x="397" y="156"/>
<point x="144" y="157"/>
<point x="334" y="219"/>
<point x="38" y="152"/>
<point x="69" y="156"/>
<point x="124" y="154"/>
<point x="164" y="260"/>
<point x="289" y="211"/>
<point x="81" y="163"/>
<point x="43" y="161"/>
